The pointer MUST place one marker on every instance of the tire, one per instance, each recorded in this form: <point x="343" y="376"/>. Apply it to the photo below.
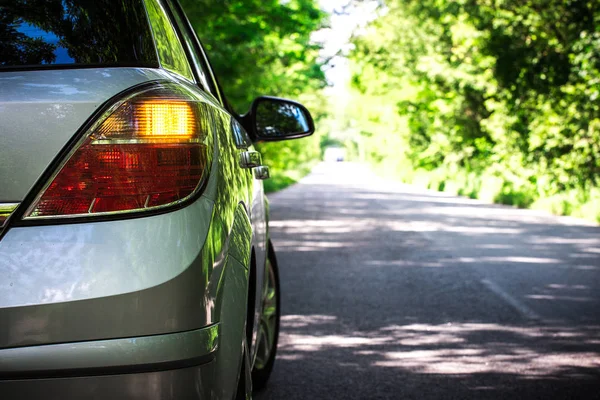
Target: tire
<point x="268" y="332"/>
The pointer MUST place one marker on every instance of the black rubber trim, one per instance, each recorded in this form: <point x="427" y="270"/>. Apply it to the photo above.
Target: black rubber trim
<point x="115" y="370"/>
<point x="119" y="370"/>
<point x="17" y="216"/>
<point x="180" y="36"/>
<point x="101" y="339"/>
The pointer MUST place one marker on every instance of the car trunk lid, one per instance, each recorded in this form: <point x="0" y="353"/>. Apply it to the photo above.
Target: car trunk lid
<point x="41" y="111"/>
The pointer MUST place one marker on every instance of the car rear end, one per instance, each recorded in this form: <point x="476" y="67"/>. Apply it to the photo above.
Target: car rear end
<point x="111" y="249"/>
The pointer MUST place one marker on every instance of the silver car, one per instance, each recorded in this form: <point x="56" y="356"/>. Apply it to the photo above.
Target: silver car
<point x="135" y="260"/>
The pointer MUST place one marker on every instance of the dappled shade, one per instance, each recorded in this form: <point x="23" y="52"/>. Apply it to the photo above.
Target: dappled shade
<point x="397" y="291"/>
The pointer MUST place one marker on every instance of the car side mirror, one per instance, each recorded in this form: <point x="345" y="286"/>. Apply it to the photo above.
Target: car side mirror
<point x="274" y="119"/>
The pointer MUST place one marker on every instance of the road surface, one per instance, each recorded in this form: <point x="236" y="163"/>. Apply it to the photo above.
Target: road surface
<point x="392" y="292"/>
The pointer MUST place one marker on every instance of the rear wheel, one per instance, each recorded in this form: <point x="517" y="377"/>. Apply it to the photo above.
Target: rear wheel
<point x="268" y="330"/>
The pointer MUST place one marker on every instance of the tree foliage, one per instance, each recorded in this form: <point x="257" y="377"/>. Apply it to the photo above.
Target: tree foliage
<point x="500" y="89"/>
<point x="264" y="47"/>
<point x="259" y="47"/>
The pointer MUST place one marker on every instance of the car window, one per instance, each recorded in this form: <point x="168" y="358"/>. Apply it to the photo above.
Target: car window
<point x="191" y="45"/>
<point x="170" y="52"/>
<point x="203" y="58"/>
<point x="77" y="32"/>
<point x="200" y="58"/>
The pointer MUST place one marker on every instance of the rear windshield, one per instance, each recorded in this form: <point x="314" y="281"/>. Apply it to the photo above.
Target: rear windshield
<point x="82" y="32"/>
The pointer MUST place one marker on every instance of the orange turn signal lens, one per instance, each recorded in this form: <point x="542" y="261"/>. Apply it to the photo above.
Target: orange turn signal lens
<point x="152" y="149"/>
<point x="162" y="119"/>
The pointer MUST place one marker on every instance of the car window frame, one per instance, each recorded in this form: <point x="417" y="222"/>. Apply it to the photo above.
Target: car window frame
<point x="183" y="31"/>
<point x="174" y="8"/>
<point x="164" y="14"/>
<point x="204" y="69"/>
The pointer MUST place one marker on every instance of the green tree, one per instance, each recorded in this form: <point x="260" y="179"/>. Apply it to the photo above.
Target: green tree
<point x="259" y="47"/>
<point x="496" y="93"/>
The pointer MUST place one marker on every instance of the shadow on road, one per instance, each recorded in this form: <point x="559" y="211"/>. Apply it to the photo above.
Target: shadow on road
<point x="392" y="292"/>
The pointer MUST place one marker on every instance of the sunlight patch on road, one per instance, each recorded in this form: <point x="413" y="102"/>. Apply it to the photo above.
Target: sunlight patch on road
<point x="315" y="343"/>
<point x="562" y="240"/>
<point x="299" y="321"/>
<point x="470" y="361"/>
<point x="435" y="226"/>
<point x="405" y="263"/>
<point x="309" y="246"/>
<point x="452" y="348"/>
<point x="494" y="246"/>
<point x="363" y="224"/>
<point x="563" y="298"/>
<point x="307" y="226"/>
<point x="509" y="259"/>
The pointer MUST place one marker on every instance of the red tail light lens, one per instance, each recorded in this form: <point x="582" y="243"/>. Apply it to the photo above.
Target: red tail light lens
<point x="150" y="150"/>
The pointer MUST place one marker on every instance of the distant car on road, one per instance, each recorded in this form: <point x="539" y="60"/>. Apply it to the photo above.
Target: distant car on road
<point x="135" y="260"/>
<point x="334" y="154"/>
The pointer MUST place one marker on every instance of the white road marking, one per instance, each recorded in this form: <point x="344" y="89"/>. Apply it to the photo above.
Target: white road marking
<point x="516" y="304"/>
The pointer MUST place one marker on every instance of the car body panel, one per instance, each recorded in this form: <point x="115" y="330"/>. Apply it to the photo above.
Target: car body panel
<point x="260" y="238"/>
<point x="40" y="112"/>
<point x="80" y="261"/>
<point x="109" y="279"/>
<point x="233" y="296"/>
<point x="127" y="355"/>
<point x="76" y="293"/>
<point x="74" y="272"/>
<point x="96" y="282"/>
<point x="240" y="183"/>
<point x="197" y="382"/>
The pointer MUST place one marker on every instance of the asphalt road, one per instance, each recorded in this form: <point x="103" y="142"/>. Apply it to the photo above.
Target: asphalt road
<point x="391" y="292"/>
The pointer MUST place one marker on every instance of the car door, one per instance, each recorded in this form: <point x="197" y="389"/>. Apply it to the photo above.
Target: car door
<point x="242" y="150"/>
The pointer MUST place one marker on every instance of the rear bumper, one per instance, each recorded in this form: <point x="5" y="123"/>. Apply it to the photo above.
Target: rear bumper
<point x="187" y="383"/>
<point x="177" y="365"/>
<point x="84" y="282"/>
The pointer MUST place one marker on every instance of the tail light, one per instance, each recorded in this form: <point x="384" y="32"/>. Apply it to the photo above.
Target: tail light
<point x="150" y="150"/>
